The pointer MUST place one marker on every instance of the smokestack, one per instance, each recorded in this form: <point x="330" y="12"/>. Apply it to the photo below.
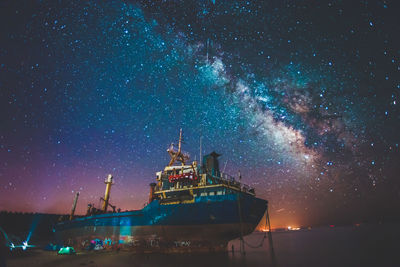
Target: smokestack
<point x="109" y="182"/>
<point x="151" y="195"/>
<point x="71" y="216"/>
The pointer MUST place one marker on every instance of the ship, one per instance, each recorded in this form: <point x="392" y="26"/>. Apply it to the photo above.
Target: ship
<point x="191" y="207"/>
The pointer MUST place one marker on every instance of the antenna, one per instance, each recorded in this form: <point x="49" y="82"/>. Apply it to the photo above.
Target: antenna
<point x="201" y="159"/>
<point x="226" y="162"/>
<point x="180" y="141"/>
<point x="207" y="48"/>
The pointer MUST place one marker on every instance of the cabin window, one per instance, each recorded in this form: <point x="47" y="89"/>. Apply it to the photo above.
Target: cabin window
<point x="219" y="193"/>
<point x="203" y="194"/>
<point x="211" y="193"/>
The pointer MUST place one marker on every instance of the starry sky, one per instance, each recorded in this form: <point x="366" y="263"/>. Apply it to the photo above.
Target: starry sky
<point x="300" y="96"/>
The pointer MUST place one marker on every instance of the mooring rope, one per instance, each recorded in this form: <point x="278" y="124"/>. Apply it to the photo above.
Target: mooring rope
<point x="259" y="245"/>
<point x="265" y="233"/>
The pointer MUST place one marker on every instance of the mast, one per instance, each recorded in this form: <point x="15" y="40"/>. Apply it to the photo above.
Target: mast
<point x="109" y="182"/>
<point x="177" y="154"/>
<point x="180" y="145"/>
<point x="71" y="216"/>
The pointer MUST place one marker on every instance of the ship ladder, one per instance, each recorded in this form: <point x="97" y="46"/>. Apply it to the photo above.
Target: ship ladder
<point x="242" y="251"/>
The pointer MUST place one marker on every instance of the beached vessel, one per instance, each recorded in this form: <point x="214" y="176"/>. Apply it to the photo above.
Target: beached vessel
<point x="191" y="207"/>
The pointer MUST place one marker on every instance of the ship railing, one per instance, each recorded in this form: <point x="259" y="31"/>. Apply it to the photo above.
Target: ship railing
<point x="230" y="180"/>
<point x="227" y="177"/>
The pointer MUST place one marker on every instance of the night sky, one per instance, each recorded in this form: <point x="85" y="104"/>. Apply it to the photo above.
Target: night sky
<point x="301" y="96"/>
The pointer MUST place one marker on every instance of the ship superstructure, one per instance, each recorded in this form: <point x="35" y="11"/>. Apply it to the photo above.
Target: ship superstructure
<point x="191" y="207"/>
<point x="183" y="183"/>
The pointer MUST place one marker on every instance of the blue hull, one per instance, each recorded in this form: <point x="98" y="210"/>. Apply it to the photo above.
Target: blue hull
<point x="210" y="221"/>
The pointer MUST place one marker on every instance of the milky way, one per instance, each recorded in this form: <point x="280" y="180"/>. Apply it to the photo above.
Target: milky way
<point x="301" y="97"/>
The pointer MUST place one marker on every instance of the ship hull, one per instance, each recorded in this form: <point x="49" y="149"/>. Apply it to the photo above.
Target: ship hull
<point x="208" y="223"/>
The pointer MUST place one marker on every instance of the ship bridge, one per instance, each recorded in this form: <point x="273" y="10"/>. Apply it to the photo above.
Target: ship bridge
<point x="183" y="183"/>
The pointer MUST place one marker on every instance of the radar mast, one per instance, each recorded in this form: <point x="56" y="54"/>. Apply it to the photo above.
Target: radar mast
<point x="177" y="155"/>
